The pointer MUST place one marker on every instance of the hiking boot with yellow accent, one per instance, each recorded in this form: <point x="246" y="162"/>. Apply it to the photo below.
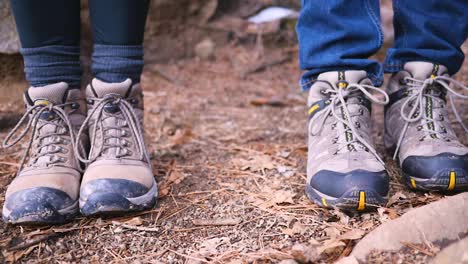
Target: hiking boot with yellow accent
<point x="417" y="125"/>
<point x="343" y="167"/>
<point x="119" y="177"/>
<point x="46" y="189"/>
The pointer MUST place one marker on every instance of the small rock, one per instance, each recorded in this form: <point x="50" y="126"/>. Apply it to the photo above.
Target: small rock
<point x="205" y="49"/>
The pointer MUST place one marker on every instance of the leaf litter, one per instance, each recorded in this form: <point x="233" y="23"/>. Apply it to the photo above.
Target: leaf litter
<point x="231" y="173"/>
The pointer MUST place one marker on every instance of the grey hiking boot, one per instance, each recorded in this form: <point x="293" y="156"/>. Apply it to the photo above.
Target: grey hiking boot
<point x="417" y="125"/>
<point x="46" y="189"/>
<point x="343" y="168"/>
<point x="119" y="177"/>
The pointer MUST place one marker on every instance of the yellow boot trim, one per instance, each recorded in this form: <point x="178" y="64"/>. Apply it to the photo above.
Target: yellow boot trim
<point x="324" y="202"/>
<point x="452" y="181"/>
<point x="362" y="201"/>
<point x="413" y="183"/>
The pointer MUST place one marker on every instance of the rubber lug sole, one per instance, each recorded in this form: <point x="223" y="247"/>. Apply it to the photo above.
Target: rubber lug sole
<point x="452" y="182"/>
<point x="352" y="201"/>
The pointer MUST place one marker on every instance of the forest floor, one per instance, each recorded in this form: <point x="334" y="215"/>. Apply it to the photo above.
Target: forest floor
<point x="228" y="145"/>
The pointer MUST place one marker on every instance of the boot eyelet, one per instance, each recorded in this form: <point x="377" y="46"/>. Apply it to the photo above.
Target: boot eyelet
<point x="75" y="106"/>
<point x="134" y="101"/>
<point x="90" y="101"/>
<point x="419" y="128"/>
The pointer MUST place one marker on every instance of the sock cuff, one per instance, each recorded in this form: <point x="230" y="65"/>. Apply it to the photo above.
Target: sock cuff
<point x="116" y="63"/>
<point x="101" y="50"/>
<point x="52" y="64"/>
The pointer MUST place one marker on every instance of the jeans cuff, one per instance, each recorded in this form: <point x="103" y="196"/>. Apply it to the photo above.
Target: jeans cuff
<point x="308" y="78"/>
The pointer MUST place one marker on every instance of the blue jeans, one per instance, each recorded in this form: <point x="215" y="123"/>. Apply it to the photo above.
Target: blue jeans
<point x="341" y="34"/>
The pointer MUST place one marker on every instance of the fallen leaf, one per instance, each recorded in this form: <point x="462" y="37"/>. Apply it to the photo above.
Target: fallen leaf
<point x="297" y="228"/>
<point x="395" y="198"/>
<point x="281" y="197"/>
<point x="352" y="235"/>
<point x="209" y="247"/>
<point x="175" y="177"/>
<point x="304" y="253"/>
<point x="330" y="246"/>
<point x="255" y="163"/>
<point x="135" y="221"/>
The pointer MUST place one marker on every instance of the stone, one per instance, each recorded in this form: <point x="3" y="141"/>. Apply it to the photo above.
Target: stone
<point x="9" y="41"/>
<point x="205" y="49"/>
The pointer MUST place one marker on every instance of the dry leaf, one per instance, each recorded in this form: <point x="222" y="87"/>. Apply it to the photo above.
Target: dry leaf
<point x="209" y="247"/>
<point x="304" y="253"/>
<point x="281" y="196"/>
<point x="297" y="228"/>
<point x="255" y="163"/>
<point x="330" y="246"/>
<point x="135" y="221"/>
<point x="175" y="177"/>
<point x="395" y="198"/>
<point x="352" y="235"/>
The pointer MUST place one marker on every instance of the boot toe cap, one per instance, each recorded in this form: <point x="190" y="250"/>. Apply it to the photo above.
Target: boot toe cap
<point x="445" y="171"/>
<point x="336" y="184"/>
<point x="40" y="205"/>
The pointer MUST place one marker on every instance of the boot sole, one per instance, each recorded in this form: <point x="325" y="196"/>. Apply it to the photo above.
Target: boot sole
<point x="50" y="217"/>
<point x="450" y="183"/>
<point x="352" y="201"/>
<point x="110" y="204"/>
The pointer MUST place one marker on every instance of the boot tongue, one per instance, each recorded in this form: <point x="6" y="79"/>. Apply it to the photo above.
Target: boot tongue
<point x="53" y="93"/>
<point x="50" y="94"/>
<point x="328" y="80"/>
<point x="347" y="76"/>
<point x="121" y="89"/>
<point x="423" y="70"/>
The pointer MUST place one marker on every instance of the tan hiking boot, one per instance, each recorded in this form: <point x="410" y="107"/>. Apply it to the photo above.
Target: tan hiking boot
<point x="343" y="168"/>
<point x="418" y="126"/>
<point x="46" y="188"/>
<point x="119" y="177"/>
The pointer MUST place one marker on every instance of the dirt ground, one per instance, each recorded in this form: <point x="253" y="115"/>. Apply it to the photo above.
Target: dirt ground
<point x="228" y="145"/>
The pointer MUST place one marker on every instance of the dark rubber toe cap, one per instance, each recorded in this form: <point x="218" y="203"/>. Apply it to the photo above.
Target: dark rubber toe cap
<point x="125" y="188"/>
<point x="336" y="184"/>
<point x="443" y="172"/>
<point x="435" y="166"/>
<point x="115" y="196"/>
<point x="41" y="205"/>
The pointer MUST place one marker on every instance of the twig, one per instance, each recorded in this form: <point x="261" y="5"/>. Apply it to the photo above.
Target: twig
<point x="217" y="222"/>
<point x="138" y="228"/>
<point x="187" y="256"/>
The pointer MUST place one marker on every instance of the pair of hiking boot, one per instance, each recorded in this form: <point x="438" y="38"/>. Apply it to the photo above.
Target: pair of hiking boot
<point x="85" y="153"/>
<point x="344" y="169"/>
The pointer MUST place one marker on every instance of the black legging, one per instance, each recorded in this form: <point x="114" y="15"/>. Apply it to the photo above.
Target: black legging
<point x="57" y="22"/>
<point x="49" y="32"/>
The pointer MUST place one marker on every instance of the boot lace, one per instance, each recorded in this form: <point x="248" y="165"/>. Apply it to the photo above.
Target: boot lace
<point x="418" y="91"/>
<point x="113" y="136"/>
<point x="46" y="141"/>
<point x="338" y="99"/>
